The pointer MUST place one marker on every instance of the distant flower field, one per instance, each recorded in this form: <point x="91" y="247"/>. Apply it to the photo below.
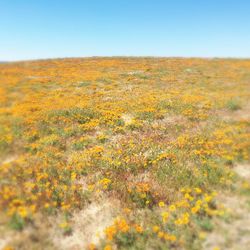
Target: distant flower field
<point x="125" y="153"/>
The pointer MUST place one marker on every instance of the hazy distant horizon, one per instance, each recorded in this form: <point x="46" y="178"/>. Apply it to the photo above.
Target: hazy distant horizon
<point x="136" y="57"/>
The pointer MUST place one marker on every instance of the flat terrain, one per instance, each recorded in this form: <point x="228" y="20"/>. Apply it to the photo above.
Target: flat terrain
<point x="125" y="153"/>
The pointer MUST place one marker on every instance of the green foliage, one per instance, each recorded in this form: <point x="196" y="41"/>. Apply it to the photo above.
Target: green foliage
<point x="17" y="222"/>
<point x="206" y="224"/>
<point x="233" y="105"/>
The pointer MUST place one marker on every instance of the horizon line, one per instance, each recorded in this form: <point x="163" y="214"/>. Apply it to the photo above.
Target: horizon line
<point x="122" y="56"/>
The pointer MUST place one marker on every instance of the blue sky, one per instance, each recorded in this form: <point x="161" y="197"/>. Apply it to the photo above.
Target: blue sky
<point x="31" y="29"/>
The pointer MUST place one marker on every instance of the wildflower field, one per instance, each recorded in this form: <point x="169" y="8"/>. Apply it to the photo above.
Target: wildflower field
<point x="125" y="153"/>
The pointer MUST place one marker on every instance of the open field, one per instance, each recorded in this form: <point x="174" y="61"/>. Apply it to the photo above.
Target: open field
<point x="125" y="153"/>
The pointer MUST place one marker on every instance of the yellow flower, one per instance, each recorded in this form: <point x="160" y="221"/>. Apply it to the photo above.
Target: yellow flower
<point x="161" y="234"/>
<point x="91" y="187"/>
<point x="105" y="182"/>
<point x="122" y="225"/>
<point x="8" y="248"/>
<point x="110" y="232"/>
<point x="216" y="248"/>
<point x="65" y="207"/>
<point x="183" y="220"/>
<point x="183" y="203"/>
<point x="46" y="205"/>
<point x="138" y="228"/>
<point x="245" y="185"/>
<point x="208" y="198"/>
<point x="172" y="238"/>
<point x="73" y="176"/>
<point x="198" y="202"/>
<point x="91" y="246"/>
<point x="188" y="196"/>
<point x="169" y="237"/>
<point x="165" y="216"/>
<point x="161" y="204"/>
<point x="202" y="235"/>
<point x="22" y="212"/>
<point x="172" y="208"/>
<point x="156" y="229"/>
<point x="107" y="247"/>
<point x="127" y="210"/>
<point x="64" y="225"/>
<point x="195" y="209"/>
<point x="198" y="190"/>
